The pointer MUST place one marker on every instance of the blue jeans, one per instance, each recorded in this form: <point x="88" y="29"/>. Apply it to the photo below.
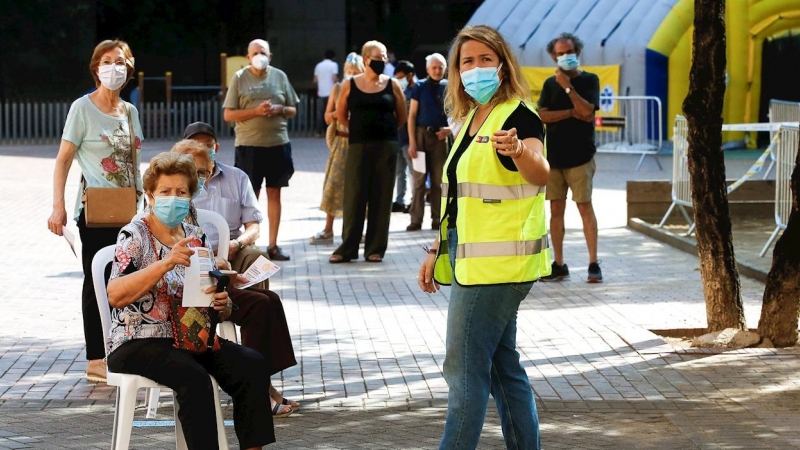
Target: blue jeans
<point x="481" y="358"/>
<point x="403" y="163"/>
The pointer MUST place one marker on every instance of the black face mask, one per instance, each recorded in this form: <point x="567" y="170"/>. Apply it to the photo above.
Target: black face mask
<point x="377" y="65"/>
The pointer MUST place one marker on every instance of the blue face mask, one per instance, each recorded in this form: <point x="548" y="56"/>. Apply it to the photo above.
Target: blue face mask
<point x="171" y="210"/>
<point x="201" y="182"/>
<point x="568" y="61"/>
<point x="213" y="154"/>
<point x="481" y="83"/>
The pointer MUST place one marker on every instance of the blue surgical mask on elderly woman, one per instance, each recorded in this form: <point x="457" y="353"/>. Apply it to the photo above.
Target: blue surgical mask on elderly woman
<point x="481" y="83"/>
<point x="568" y="61"/>
<point x="171" y="210"/>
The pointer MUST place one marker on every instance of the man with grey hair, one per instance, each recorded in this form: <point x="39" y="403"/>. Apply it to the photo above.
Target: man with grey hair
<point x="427" y="132"/>
<point x="260" y="100"/>
<point x="567" y="105"/>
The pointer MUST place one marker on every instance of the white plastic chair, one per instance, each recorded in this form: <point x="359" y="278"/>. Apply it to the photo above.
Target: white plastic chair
<point x="225" y="330"/>
<point x="128" y="385"/>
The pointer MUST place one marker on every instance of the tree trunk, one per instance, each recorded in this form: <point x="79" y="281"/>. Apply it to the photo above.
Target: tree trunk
<point x="782" y="294"/>
<point x="703" y="110"/>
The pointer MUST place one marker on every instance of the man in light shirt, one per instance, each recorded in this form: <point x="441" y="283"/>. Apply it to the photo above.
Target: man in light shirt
<point x="326" y="74"/>
<point x="260" y="101"/>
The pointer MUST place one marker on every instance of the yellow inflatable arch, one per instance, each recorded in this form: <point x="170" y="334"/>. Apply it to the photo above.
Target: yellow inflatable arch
<point x="749" y="23"/>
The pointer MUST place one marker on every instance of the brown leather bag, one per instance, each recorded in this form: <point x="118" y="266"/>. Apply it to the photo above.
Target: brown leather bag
<point x="113" y="206"/>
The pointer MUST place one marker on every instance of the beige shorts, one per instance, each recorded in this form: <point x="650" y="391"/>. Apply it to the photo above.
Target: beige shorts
<point x="577" y="179"/>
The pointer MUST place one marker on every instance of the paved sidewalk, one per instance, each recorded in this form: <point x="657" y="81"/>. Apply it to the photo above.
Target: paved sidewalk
<point x="371" y="344"/>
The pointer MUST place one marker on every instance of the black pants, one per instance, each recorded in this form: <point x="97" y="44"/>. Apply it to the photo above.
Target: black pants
<point x="240" y="371"/>
<point x="264" y="329"/>
<point x="93" y="239"/>
<point x="369" y="183"/>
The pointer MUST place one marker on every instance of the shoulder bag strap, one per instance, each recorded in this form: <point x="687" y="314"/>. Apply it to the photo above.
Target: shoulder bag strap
<point x="132" y="136"/>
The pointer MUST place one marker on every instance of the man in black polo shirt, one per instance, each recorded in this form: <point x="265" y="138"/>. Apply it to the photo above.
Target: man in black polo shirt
<point x="567" y="105"/>
<point x="427" y="132"/>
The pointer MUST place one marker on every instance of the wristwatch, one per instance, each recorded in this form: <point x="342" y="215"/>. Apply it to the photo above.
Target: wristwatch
<point x="568" y="90"/>
<point x="239" y="243"/>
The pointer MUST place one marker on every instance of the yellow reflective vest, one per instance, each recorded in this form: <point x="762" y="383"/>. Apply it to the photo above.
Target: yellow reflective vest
<point x="502" y="236"/>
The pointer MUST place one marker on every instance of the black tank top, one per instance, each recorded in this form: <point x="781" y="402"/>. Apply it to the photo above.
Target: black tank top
<point x="372" y="115"/>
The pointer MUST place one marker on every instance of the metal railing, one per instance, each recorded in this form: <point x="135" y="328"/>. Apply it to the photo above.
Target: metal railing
<point x="630" y="124"/>
<point x="681" y="187"/>
<point x="781" y="111"/>
<point x="785" y="157"/>
<point x="26" y="122"/>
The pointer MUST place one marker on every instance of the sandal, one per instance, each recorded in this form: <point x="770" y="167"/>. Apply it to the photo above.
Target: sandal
<point x="280" y="411"/>
<point x="275" y="395"/>
<point x="336" y="259"/>
<point x="375" y="258"/>
<point x="322" y="238"/>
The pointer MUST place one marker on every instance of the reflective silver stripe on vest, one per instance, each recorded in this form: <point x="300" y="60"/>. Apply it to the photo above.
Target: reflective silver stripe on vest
<point x="488" y="249"/>
<point x="495" y="192"/>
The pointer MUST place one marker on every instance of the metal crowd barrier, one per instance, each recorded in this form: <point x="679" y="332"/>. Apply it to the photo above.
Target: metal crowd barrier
<point x="681" y="188"/>
<point x="781" y="111"/>
<point x="785" y="157"/>
<point x="631" y="125"/>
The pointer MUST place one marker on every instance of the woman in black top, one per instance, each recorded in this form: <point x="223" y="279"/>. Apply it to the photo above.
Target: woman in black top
<point x="373" y="106"/>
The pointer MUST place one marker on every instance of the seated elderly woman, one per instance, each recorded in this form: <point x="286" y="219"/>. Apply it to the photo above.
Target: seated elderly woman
<point x="147" y="277"/>
<point x="258" y="311"/>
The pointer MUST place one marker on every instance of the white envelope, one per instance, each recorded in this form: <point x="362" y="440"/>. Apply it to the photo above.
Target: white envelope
<point x="418" y="163"/>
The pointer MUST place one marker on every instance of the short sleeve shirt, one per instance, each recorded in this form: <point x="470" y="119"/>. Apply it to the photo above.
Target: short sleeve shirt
<point x="148" y="317"/>
<point x="570" y="142"/>
<point x="248" y="91"/>
<point x="229" y="193"/>
<point x="430" y="110"/>
<point x="104" y="147"/>
<point x="324" y="72"/>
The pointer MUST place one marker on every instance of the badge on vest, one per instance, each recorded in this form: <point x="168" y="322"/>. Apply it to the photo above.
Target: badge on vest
<point x="482" y="139"/>
<point x="491" y="200"/>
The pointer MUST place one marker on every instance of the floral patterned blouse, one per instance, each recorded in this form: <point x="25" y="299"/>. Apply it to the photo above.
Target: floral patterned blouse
<point x="104" y="147"/>
<point x="148" y="317"/>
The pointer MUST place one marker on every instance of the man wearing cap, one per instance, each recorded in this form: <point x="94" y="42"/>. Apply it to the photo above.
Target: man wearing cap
<point x="427" y="132"/>
<point x="228" y="192"/>
<point x="260" y="100"/>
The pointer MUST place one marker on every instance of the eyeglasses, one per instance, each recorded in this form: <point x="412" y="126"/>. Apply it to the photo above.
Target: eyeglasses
<point x="203" y="173"/>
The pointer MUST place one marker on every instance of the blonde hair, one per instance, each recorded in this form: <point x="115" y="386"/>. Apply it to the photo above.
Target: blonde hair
<point x="192" y="148"/>
<point x="457" y="102"/>
<point x="368" y="46"/>
<point x="169" y="163"/>
<point x="103" y="48"/>
<point x="354" y="61"/>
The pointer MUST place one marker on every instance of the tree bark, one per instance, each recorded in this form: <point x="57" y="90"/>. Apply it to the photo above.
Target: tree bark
<point x="703" y="110"/>
<point x="782" y="293"/>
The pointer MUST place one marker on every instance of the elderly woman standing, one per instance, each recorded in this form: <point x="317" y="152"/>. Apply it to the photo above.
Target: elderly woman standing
<point x="492" y="245"/>
<point x="96" y="131"/>
<point x="336" y="136"/>
<point x="373" y="106"/>
<point x="147" y="277"/>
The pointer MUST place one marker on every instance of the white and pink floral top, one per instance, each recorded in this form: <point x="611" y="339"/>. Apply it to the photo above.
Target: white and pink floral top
<point x="104" y="149"/>
<point x="148" y="317"/>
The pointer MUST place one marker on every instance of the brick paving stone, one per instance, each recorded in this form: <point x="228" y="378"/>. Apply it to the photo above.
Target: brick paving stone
<point x="371" y="345"/>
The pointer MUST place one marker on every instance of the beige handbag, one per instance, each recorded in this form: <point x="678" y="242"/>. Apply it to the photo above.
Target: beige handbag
<point x="113" y="207"/>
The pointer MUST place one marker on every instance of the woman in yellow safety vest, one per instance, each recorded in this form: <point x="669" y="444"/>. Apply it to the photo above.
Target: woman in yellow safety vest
<point x="492" y="244"/>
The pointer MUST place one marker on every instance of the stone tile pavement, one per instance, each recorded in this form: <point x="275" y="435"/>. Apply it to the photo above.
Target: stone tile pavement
<point x="371" y="345"/>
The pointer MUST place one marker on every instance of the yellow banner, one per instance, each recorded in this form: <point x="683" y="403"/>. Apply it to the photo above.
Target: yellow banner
<point x="609" y="84"/>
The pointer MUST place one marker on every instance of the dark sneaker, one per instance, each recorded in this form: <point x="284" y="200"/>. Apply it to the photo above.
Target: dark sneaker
<point x="398" y="207"/>
<point x="276" y="254"/>
<point x="406" y="209"/>
<point x="414" y="227"/>
<point x="595" y="274"/>
<point x="559" y="273"/>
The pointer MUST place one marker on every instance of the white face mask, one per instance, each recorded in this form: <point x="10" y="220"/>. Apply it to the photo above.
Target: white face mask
<point x="403" y="83"/>
<point x="112" y="76"/>
<point x="260" y="61"/>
